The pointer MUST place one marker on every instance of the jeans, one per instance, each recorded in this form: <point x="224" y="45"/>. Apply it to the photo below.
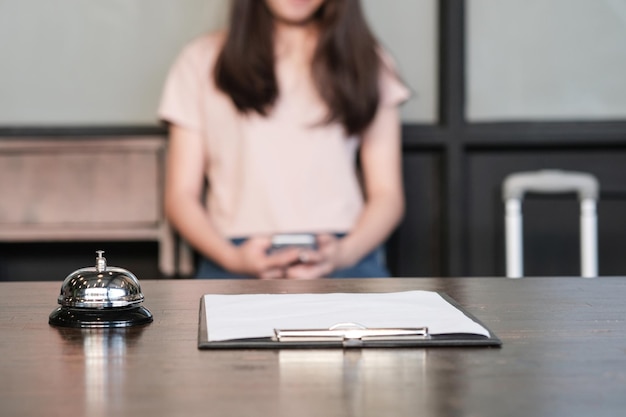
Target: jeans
<point x="371" y="266"/>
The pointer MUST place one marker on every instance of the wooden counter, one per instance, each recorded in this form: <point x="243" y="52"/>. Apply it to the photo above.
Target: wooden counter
<point x="563" y="354"/>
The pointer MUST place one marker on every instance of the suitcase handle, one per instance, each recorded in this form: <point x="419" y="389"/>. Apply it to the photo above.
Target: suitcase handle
<point x="550" y="181"/>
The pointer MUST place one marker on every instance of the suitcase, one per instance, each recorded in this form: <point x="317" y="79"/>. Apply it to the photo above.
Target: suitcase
<point x="547" y="182"/>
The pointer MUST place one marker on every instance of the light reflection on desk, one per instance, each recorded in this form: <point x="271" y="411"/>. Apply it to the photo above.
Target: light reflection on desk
<point x="357" y="379"/>
<point x="105" y="355"/>
<point x="104" y="367"/>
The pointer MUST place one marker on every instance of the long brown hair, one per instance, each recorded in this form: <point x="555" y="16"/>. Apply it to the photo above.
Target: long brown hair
<point x="345" y="62"/>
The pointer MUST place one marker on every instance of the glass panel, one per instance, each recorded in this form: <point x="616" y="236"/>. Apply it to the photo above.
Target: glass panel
<point x="408" y="30"/>
<point x="76" y="62"/>
<point x="546" y="60"/>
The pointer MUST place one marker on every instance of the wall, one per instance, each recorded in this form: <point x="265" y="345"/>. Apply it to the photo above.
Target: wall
<point x="546" y="60"/>
<point x="72" y="62"/>
<point x="500" y="86"/>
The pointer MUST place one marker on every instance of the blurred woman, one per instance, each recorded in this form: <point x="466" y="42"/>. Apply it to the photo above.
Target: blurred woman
<point x="291" y="118"/>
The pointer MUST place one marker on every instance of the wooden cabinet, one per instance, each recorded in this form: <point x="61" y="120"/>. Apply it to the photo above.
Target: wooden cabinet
<point x="85" y="189"/>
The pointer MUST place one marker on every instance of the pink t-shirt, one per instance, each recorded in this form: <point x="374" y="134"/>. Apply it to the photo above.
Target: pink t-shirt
<point x="277" y="174"/>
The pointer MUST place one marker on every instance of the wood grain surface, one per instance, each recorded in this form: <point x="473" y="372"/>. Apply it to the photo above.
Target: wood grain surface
<point x="563" y="354"/>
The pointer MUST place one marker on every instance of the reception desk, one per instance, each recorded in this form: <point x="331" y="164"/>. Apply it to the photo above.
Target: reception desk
<point x="563" y="354"/>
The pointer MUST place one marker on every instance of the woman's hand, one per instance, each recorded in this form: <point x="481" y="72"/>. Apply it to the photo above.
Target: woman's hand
<point x="252" y="258"/>
<point x="320" y="263"/>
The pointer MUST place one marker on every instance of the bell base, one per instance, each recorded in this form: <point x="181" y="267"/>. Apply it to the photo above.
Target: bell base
<point x="100" y="318"/>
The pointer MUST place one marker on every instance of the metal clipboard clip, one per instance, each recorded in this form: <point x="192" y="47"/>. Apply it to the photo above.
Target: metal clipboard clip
<point x="350" y="334"/>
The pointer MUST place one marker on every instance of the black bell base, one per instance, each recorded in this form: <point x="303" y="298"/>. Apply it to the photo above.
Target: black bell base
<point x="100" y="318"/>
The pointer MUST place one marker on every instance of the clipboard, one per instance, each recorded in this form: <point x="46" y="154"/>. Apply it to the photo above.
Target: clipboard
<point x="351" y="335"/>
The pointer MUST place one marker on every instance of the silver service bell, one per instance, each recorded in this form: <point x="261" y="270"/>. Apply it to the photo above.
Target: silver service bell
<point x="100" y="297"/>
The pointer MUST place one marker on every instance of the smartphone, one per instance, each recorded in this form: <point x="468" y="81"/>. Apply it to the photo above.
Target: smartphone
<point x="291" y="240"/>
